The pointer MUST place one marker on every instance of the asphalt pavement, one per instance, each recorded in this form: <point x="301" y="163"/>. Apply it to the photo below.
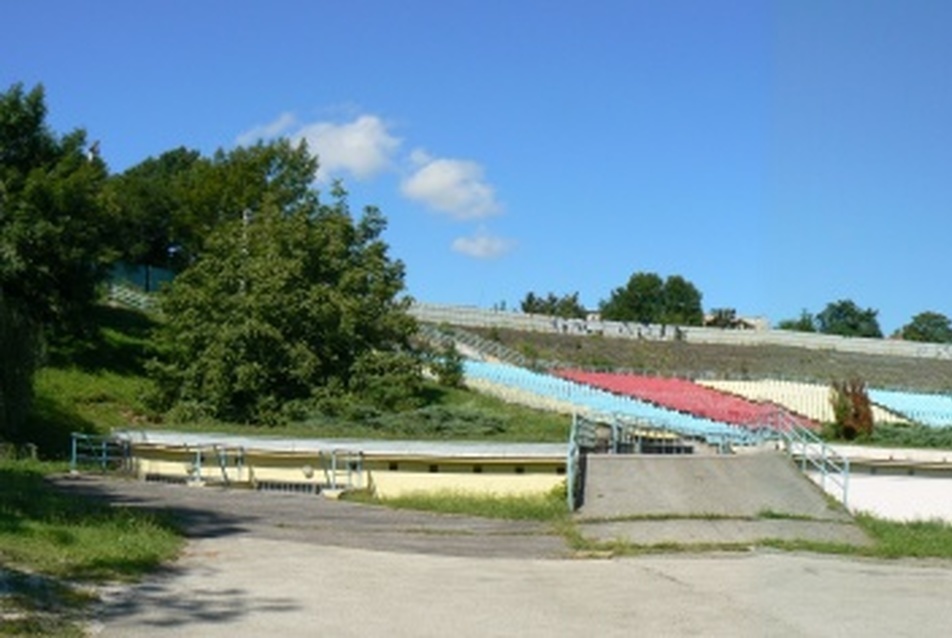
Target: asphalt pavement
<point x="298" y="565"/>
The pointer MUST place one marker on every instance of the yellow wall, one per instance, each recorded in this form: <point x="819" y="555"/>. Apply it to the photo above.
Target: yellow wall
<point x="388" y="477"/>
<point x="392" y="484"/>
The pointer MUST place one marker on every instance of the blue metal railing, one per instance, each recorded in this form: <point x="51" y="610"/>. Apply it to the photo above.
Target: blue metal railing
<point x="813" y="454"/>
<point x="105" y="452"/>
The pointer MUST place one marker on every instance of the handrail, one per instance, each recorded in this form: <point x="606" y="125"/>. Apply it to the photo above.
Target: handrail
<point x="104" y="451"/>
<point x="573" y="469"/>
<point x="813" y="453"/>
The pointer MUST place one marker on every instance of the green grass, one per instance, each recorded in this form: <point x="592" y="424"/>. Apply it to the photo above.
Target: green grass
<point x="543" y="507"/>
<point x="901" y="435"/>
<point x="41" y="530"/>
<point x="49" y="542"/>
<point x="915" y="539"/>
<point x="101" y="385"/>
<point x="890" y="540"/>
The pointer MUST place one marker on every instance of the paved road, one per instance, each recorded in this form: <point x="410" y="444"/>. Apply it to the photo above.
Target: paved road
<point x="291" y="565"/>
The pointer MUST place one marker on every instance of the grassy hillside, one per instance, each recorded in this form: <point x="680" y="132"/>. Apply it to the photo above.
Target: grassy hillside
<point x="101" y="385"/>
<point x="720" y="361"/>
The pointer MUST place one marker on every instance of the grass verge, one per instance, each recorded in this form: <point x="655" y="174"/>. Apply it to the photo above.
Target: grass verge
<point x="537" y="507"/>
<point x="49" y="543"/>
<point x="890" y="540"/>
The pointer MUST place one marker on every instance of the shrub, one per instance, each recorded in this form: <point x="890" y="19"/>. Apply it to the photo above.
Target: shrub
<point x="852" y="411"/>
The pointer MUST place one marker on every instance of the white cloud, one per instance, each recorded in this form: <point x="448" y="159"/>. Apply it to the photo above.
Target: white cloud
<point x="284" y="122"/>
<point x="452" y="186"/>
<point x="363" y="147"/>
<point x="482" y="245"/>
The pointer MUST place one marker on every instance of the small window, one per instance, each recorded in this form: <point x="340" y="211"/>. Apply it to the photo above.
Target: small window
<point x="477" y="469"/>
<point x="520" y="469"/>
<point x="434" y="469"/>
<point x="393" y="467"/>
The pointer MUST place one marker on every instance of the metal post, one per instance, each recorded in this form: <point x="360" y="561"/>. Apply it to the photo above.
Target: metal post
<point x="197" y="465"/>
<point x="103" y="453"/>
<point x="73" y="453"/>
<point x="846" y="481"/>
<point x="333" y="469"/>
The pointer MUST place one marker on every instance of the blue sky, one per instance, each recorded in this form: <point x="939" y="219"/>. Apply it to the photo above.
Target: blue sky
<point x="780" y="155"/>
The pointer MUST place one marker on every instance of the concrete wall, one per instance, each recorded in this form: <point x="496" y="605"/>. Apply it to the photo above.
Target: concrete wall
<point x="466" y="316"/>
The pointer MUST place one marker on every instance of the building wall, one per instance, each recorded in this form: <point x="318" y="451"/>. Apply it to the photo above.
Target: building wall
<point x="387" y="476"/>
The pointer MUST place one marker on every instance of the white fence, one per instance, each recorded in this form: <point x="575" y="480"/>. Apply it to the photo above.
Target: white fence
<point x="472" y="317"/>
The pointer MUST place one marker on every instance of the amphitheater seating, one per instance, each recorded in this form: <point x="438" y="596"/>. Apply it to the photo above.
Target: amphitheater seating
<point x="681" y="395"/>
<point x="589" y="399"/>
<point x="934" y="410"/>
<point x="812" y="400"/>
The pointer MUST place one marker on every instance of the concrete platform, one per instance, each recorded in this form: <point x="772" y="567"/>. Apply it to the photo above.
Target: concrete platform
<point x="644" y="499"/>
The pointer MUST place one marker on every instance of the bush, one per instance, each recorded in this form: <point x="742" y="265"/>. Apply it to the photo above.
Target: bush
<point x="852" y="411"/>
<point x="448" y="367"/>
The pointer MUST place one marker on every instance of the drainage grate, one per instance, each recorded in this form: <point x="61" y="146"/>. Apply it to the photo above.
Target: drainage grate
<point x="282" y="486"/>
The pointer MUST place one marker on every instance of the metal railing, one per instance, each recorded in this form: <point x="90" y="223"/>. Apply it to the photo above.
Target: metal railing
<point x="104" y="452"/>
<point x="612" y="434"/>
<point x="485" y="347"/>
<point x="231" y="465"/>
<point x="129" y="296"/>
<point x="582" y="438"/>
<point x="812" y="454"/>
<point x="342" y="464"/>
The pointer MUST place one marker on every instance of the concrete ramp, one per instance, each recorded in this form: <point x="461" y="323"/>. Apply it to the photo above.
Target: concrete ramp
<point x="648" y="499"/>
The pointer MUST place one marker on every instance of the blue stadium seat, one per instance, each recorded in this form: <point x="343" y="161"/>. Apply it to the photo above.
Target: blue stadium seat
<point x="588" y="398"/>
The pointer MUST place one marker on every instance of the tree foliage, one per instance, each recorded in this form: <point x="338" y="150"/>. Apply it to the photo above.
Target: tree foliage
<point x="297" y="300"/>
<point x="446" y="363"/>
<point x="846" y="319"/>
<point x="567" y="306"/>
<point x="932" y="327"/>
<point x="806" y="322"/>
<point x="647" y="298"/>
<point x="154" y="198"/>
<point x="55" y="232"/>
<point x="172" y="204"/>
<point x="56" y="227"/>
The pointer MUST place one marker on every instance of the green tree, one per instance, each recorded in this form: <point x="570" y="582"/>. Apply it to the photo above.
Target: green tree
<point x="172" y="204"/>
<point x="447" y="364"/>
<point x="297" y="300"/>
<point x="647" y="298"/>
<point x="154" y="202"/>
<point x="56" y="227"/>
<point x="641" y="299"/>
<point x="55" y="231"/>
<point x="682" y="302"/>
<point x="928" y="326"/>
<point x="567" y="306"/>
<point x="846" y="319"/>
<point x="806" y="322"/>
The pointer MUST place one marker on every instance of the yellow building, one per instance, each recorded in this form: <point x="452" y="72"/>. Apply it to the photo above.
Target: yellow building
<point x="386" y="468"/>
